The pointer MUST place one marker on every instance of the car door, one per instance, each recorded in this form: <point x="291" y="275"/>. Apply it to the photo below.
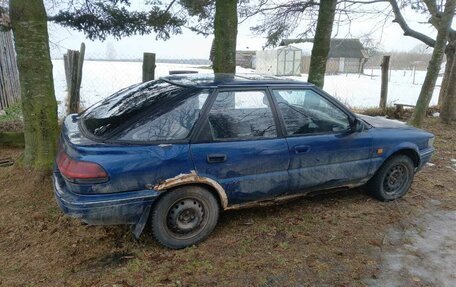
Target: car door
<point x="238" y="145"/>
<point x="324" y="152"/>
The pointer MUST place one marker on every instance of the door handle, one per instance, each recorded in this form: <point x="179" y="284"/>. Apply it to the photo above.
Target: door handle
<point x="216" y="158"/>
<point x="301" y="149"/>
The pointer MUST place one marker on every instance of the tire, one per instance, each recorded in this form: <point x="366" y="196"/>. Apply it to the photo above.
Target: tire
<point x="184" y="216"/>
<point x="393" y="179"/>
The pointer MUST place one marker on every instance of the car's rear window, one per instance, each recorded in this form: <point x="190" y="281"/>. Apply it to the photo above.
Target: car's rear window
<point x="106" y="117"/>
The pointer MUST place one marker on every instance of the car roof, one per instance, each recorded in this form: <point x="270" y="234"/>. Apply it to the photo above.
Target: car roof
<point x="229" y="80"/>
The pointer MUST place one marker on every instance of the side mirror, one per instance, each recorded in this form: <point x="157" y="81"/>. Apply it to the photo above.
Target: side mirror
<point x="356" y="126"/>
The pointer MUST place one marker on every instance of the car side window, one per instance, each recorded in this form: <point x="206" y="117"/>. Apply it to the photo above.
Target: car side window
<point x="171" y="121"/>
<point x="241" y="115"/>
<point x="306" y="112"/>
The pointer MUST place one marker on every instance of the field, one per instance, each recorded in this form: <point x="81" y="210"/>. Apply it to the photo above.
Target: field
<point x="102" y="78"/>
<point x="342" y="239"/>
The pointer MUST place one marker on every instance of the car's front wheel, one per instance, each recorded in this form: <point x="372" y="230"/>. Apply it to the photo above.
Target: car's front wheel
<point x="393" y="179"/>
<point x="184" y="216"/>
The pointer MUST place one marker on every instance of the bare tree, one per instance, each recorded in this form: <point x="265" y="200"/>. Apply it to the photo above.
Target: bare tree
<point x="283" y="19"/>
<point x="440" y="17"/>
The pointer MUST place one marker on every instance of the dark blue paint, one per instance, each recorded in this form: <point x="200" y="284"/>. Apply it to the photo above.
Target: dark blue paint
<point x="249" y="170"/>
<point x="253" y="170"/>
<point x="129" y="167"/>
<point x="118" y="208"/>
<point x="329" y="160"/>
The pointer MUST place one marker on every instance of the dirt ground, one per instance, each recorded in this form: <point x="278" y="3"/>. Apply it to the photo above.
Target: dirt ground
<point x="341" y="239"/>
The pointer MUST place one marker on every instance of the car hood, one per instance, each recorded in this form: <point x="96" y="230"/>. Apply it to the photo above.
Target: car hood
<point x="382" y="122"/>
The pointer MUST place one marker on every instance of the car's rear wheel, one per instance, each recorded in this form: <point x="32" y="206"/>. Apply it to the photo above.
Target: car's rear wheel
<point x="393" y="179"/>
<point x="184" y="216"/>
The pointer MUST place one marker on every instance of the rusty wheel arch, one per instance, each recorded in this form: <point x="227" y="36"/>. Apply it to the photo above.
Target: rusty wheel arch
<point x="193" y="179"/>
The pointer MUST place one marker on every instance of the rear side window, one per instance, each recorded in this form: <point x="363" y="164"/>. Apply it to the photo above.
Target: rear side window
<point x="110" y="115"/>
<point x="170" y="122"/>
<point x="241" y="115"/>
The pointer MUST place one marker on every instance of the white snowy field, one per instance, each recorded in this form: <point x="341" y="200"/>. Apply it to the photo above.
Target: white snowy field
<point x="362" y="91"/>
<point x="102" y="78"/>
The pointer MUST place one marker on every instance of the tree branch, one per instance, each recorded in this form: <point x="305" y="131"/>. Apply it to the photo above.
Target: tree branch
<point x="434" y="11"/>
<point x="405" y="27"/>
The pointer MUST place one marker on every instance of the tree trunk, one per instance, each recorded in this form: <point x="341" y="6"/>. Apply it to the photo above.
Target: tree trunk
<point x="448" y="111"/>
<point x="322" y="41"/>
<point x="449" y="52"/>
<point x="434" y="65"/>
<point x="39" y="105"/>
<point x="448" y="104"/>
<point x="225" y="33"/>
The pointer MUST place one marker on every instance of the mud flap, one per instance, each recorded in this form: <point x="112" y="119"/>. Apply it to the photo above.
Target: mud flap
<point x="138" y="228"/>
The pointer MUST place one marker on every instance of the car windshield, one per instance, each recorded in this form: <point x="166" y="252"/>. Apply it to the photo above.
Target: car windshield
<point x="104" y="118"/>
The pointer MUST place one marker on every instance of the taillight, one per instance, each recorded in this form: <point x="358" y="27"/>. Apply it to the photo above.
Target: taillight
<point x="80" y="171"/>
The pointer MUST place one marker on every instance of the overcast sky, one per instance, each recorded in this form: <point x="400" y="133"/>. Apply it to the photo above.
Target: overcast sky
<point x="189" y="45"/>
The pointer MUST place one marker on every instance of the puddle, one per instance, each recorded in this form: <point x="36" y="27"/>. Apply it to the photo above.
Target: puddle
<point x="422" y="254"/>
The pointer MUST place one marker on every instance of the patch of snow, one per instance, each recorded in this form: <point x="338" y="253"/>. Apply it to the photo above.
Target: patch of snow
<point x="430" y="164"/>
<point x="425" y="252"/>
<point x="436" y="114"/>
<point x="453" y="160"/>
<point x="450" y="167"/>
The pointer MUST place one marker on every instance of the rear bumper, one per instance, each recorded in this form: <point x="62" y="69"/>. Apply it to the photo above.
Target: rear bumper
<point x="425" y="156"/>
<point x="103" y="209"/>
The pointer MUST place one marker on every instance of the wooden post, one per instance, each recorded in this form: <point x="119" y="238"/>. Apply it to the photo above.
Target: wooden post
<point x="384" y="87"/>
<point x="79" y="74"/>
<point x="414" y="72"/>
<point x="73" y="62"/>
<point x="148" y="67"/>
<point x="9" y="77"/>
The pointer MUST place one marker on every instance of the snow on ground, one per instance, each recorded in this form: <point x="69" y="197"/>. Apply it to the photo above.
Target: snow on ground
<point x="423" y="254"/>
<point x="102" y="78"/>
<point x="363" y="91"/>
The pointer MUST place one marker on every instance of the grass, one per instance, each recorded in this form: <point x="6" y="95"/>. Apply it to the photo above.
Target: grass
<point x="12" y="113"/>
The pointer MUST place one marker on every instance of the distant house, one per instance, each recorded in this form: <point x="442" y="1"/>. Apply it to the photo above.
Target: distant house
<point x="345" y="55"/>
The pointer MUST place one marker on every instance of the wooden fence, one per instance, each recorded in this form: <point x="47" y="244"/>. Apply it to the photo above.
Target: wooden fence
<point x="9" y="76"/>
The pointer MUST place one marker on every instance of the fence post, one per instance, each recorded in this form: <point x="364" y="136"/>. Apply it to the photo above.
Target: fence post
<point x="73" y="62"/>
<point x="414" y="72"/>
<point x="148" y="72"/>
<point x="384" y="87"/>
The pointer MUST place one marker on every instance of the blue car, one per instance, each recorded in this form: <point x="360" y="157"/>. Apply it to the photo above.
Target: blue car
<point x="175" y="152"/>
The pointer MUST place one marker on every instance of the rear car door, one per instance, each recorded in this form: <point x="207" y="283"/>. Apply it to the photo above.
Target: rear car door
<point x="238" y="145"/>
<point x="324" y="152"/>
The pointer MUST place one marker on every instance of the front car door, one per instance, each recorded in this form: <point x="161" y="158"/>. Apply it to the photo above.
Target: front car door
<point x="324" y="153"/>
<point x="238" y="145"/>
